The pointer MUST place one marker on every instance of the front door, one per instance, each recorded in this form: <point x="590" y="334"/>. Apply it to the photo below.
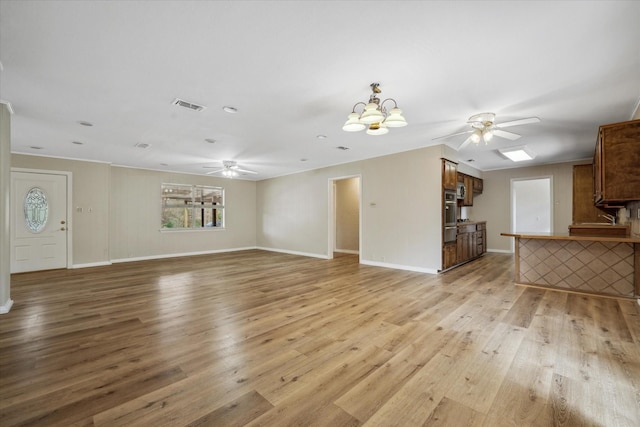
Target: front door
<point x="38" y="221"/>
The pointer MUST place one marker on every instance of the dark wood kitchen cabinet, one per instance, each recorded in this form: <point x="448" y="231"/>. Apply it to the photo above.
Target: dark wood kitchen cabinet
<point x="478" y="185"/>
<point x="584" y="211"/>
<point x="468" y="194"/>
<point x="471" y="241"/>
<point x="473" y="186"/>
<point x="449" y="175"/>
<point x="616" y="164"/>
<point x="449" y="255"/>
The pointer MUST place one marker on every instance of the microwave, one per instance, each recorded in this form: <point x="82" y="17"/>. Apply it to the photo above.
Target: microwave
<point x="461" y="191"/>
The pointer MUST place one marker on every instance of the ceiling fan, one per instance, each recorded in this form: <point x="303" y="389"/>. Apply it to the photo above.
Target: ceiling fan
<point x="484" y="127"/>
<point x="231" y="169"/>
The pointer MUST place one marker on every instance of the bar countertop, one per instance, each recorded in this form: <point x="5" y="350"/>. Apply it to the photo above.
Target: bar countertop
<point x="566" y="236"/>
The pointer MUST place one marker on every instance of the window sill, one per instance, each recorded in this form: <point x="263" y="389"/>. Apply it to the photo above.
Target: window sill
<point x="192" y="230"/>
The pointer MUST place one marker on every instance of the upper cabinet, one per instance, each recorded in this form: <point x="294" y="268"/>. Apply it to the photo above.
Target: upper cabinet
<point x="616" y="164"/>
<point x="468" y="194"/>
<point x="472" y="186"/>
<point x="449" y="174"/>
<point x="584" y="211"/>
<point x="478" y="185"/>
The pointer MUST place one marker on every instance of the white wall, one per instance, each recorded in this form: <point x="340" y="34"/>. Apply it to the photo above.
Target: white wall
<point x="494" y="204"/>
<point x="347" y="207"/>
<point x="125" y="218"/>
<point x="90" y="188"/>
<point x="401" y="198"/>
<point x="5" y="199"/>
<point x="136" y="213"/>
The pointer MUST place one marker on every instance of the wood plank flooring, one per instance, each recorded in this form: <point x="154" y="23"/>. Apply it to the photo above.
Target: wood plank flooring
<point x="267" y="339"/>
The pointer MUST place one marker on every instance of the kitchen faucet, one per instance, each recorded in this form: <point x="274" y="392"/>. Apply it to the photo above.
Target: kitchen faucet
<point x="611" y="218"/>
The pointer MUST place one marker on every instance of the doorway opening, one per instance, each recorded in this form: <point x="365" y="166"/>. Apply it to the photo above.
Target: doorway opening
<point x="345" y="216"/>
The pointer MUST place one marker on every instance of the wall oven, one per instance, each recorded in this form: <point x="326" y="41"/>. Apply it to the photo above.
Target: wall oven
<point x="450" y="219"/>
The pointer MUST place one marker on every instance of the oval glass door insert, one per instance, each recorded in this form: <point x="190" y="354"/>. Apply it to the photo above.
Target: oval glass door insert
<point x="36" y="210"/>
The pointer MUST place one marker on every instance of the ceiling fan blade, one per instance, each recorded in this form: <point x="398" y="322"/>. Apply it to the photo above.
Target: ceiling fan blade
<point x="215" y="171"/>
<point x="465" y="143"/>
<point x="525" y="121"/>
<point x="245" y="171"/>
<point x="453" y="134"/>
<point x="504" y="134"/>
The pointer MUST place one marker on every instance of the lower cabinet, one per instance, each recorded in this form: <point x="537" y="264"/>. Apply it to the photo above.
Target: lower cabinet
<point x="470" y="242"/>
<point x="449" y="255"/>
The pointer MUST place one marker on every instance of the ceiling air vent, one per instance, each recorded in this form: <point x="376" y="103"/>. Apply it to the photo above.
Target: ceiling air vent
<point x="189" y="105"/>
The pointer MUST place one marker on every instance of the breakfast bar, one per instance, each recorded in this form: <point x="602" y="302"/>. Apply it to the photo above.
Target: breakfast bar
<point x="601" y="265"/>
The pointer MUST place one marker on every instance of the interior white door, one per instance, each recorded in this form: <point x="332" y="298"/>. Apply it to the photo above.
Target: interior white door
<point x="532" y="207"/>
<point x="38" y="221"/>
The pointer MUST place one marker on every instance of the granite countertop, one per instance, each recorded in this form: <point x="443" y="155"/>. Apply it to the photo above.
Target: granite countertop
<point x="470" y="222"/>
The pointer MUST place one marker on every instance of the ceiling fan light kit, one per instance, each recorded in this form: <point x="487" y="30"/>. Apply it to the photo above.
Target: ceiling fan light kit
<point x="375" y="117"/>
<point x="484" y="128"/>
<point x="230" y="169"/>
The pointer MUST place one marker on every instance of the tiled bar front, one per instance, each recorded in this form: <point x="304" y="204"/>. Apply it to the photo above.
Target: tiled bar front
<point x="596" y="267"/>
<point x="593" y="265"/>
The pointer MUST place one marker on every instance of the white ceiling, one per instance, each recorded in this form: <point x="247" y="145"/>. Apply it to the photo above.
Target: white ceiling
<point x="294" y="70"/>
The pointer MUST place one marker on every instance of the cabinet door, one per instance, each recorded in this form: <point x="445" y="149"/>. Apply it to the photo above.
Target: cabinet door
<point x="619" y="160"/>
<point x="449" y="253"/>
<point x="478" y="185"/>
<point x="584" y="209"/>
<point x="468" y="195"/>
<point x="449" y="175"/>
<point x="473" y="244"/>
<point x="460" y="246"/>
<point x="597" y="171"/>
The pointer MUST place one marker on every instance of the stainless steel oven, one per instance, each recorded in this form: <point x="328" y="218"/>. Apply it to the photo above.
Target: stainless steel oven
<point x="450" y="216"/>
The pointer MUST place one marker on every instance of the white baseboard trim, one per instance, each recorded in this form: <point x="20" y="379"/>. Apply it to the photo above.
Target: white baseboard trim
<point x="284" y="251"/>
<point x="91" y="264"/>
<point x="346" y="251"/>
<point x="4" y="308"/>
<point x="150" y="257"/>
<point x="500" y="251"/>
<point x="399" y="266"/>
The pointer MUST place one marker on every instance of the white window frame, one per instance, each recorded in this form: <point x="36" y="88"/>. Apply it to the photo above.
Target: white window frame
<point x="194" y="206"/>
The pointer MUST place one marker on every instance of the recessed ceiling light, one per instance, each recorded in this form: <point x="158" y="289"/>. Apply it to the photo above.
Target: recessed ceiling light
<point x="164" y="164"/>
<point x="83" y="123"/>
<point x="517" y="154"/>
<point x="210" y="140"/>
<point x="303" y="160"/>
<point x="342" y="148"/>
<point x="321" y="136"/>
<point x="230" y="110"/>
<point x="470" y="160"/>
<point x="77" y="142"/>
<point x="143" y="145"/>
<point x="35" y="147"/>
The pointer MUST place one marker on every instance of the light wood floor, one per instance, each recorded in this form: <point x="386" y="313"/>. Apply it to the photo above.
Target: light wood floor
<point x="260" y="338"/>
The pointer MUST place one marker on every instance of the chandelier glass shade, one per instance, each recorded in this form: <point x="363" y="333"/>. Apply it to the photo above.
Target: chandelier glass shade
<point x="375" y="117"/>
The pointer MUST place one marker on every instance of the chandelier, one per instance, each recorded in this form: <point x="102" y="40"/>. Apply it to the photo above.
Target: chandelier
<point x="375" y="117"/>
